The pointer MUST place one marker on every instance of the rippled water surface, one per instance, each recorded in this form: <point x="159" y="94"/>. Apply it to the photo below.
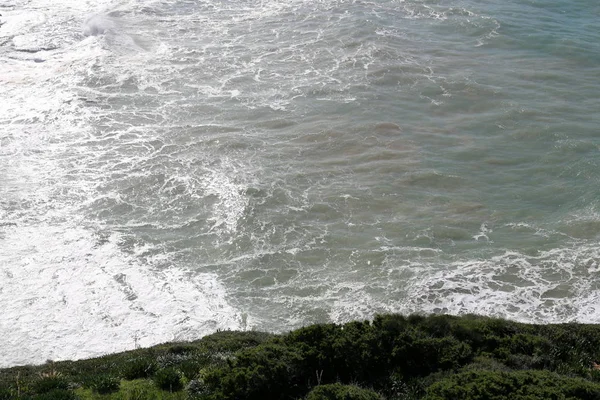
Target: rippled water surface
<point x="169" y="168"/>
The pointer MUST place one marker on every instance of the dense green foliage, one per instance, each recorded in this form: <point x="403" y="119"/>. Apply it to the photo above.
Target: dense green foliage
<point x="168" y="379"/>
<point x="142" y="367"/>
<point x="105" y="384"/>
<point x="518" y="385"/>
<point x="392" y="357"/>
<point x="5" y="394"/>
<point x="55" y="394"/>
<point x="337" y="391"/>
<point x="48" y="383"/>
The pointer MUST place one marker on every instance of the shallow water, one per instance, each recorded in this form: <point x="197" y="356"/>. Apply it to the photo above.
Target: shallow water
<point x="169" y="168"/>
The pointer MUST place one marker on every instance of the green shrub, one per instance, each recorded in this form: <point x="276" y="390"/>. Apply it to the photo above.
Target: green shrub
<point x="170" y="360"/>
<point x="337" y="391"/>
<point x="259" y="372"/>
<point x="518" y="385"/>
<point x="138" y="368"/>
<point x="228" y="341"/>
<point x="354" y="352"/>
<point x="197" y="388"/>
<point x="190" y="368"/>
<point x="482" y="363"/>
<point x="5" y="394"/>
<point x="56" y="394"/>
<point x="168" y="379"/>
<point x="105" y="384"/>
<point x="422" y="356"/>
<point x="48" y="383"/>
<point x="181" y="349"/>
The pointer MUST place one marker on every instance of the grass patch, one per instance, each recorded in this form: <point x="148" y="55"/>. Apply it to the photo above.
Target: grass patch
<point x="139" y="389"/>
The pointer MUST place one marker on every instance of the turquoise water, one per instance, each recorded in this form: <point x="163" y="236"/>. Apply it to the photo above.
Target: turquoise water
<point x="172" y="168"/>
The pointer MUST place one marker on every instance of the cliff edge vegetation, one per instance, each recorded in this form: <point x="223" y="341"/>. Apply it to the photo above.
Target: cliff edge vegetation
<point x="394" y="357"/>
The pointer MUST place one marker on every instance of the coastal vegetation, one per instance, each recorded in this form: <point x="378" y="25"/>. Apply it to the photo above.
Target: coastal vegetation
<point x="395" y="357"/>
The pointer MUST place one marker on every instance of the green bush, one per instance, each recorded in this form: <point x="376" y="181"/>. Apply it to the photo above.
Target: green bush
<point x="105" y="384"/>
<point x="337" y="391"/>
<point x="171" y="360"/>
<point x="49" y="383"/>
<point x="229" y="341"/>
<point x="168" y="379"/>
<point x="259" y="372"/>
<point x="181" y="348"/>
<point x="138" y="368"/>
<point x="518" y="385"/>
<point x="482" y="363"/>
<point x="416" y="356"/>
<point x="190" y="368"/>
<point x="5" y="394"/>
<point x="197" y="388"/>
<point x="354" y="352"/>
<point x="56" y="394"/>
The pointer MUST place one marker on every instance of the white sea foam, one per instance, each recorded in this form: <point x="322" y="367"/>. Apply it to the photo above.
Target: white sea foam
<point x="67" y="294"/>
<point x="231" y="200"/>
<point x="557" y="285"/>
<point x="99" y="25"/>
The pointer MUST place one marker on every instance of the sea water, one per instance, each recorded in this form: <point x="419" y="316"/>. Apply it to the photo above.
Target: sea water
<point x="170" y="168"/>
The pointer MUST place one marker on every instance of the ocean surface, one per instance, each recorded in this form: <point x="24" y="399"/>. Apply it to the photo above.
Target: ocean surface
<point x="170" y="168"/>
